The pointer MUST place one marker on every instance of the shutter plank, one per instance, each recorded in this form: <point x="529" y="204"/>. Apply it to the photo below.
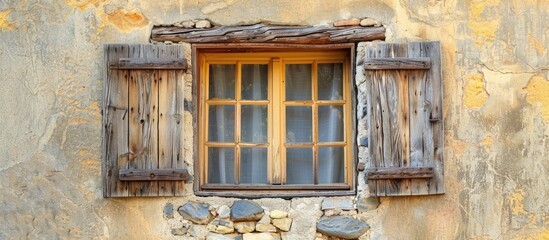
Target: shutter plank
<point x="434" y="90"/>
<point x="170" y="121"/>
<point x="115" y="123"/>
<point x="143" y="122"/>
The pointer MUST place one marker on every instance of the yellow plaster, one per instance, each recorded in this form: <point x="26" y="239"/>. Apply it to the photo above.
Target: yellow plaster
<point x="458" y="146"/>
<point x="484" y="27"/>
<point x="126" y="21"/>
<point x="537" y="93"/>
<point x="516" y="202"/>
<point x="5" y="24"/>
<point x="487" y="141"/>
<point x="538" y="45"/>
<point x="474" y="94"/>
<point x="542" y="235"/>
<point x="83" y="4"/>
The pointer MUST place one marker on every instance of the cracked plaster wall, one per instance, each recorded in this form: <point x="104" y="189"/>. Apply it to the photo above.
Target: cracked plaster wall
<point x="496" y="114"/>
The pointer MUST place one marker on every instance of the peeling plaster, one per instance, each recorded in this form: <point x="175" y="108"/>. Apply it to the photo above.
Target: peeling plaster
<point x="127" y="21"/>
<point x="5" y="24"/>
<point x="538" y="93"/>
<point x="474" y="94"/>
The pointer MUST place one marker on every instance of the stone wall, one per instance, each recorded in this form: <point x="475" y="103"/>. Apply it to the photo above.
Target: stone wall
<point x="496" y="115"/>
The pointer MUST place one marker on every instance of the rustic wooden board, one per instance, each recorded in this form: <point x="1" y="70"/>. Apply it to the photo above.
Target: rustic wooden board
<point x="399" y="172"/>
<point x="115" y="123"/>
<point x="149" y="63"/>
<point x="404" y="117"/>
<point x="170" y="109"/>
<point x="162" y="175"/>
<point x="264" y="33"/>
<point x="143" y="143"/>
<point x="397" y="63"/>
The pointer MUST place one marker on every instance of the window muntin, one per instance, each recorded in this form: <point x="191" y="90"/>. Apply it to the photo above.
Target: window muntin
<point x="281" y="106"/>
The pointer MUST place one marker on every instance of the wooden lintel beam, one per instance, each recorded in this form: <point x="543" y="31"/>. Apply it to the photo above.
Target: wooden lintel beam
<point x="264" y="33"/>
<point x="397" y="63"/>
<point x="399" y="172"/>
<point x="149" y="63"/>
<point x="153" y="175"/>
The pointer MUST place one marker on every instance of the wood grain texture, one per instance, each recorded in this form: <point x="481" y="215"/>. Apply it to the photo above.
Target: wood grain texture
<point x="397" y="63"/>
<point x="264" y="33"/>
<point x="149" y="144"/>
<point x="154" y="175"/>
<point x="404" y="117"/>
<point x="149" y="63"/>
<point x="115" y="124"/>
<point x="399" y="172"/>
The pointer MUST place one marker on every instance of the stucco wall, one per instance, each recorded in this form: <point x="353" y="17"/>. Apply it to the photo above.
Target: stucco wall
<point x="496" y="115"/>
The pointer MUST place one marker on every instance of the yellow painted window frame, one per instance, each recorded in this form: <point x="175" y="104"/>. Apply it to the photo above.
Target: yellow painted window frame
<point x="276" y="171"/>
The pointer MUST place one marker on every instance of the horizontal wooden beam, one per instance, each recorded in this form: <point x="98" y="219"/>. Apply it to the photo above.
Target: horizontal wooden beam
<point x="154" y="175"/>
<point x="264" y="33"/>
<point x="399" y="172"/>
<point x="397" y="63"/>
<point x="149" y="63"/>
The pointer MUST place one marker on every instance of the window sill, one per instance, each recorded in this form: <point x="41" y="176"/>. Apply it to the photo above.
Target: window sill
<point x="273" y="194"/>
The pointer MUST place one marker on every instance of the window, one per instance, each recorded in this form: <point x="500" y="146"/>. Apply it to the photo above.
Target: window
<point x="277" y="120"/>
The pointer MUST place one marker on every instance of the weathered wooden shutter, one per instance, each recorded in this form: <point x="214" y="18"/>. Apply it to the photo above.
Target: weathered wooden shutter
<point x="405" y="119"/>
<point x="142" y="120"/>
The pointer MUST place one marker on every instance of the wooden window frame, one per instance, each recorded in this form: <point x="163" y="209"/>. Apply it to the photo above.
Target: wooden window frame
<point x="256" y="191"/>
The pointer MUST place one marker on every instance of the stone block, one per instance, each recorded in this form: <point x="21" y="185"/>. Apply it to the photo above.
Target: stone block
<point x="261" y="236"/>
<point x="283" y="224"/>
<point x="367" y="203"/>
<point x="244" y="227"/>
<point x="196" y="212"/>
<point x="244" y="210"/>
<point x="260" y="227"/>
<point x="338" y="203"/>
<point x="168" y="211"/>
<point x="346" y="23"/>
<point x="278" y="214"/>
<point x="345" y="227"/>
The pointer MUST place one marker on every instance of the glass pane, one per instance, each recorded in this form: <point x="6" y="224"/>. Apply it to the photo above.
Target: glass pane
<point x="330" y="81"/>
<point x="298" y="82"/>
<point x="298" y="124"/>
<point x="255" y="81"/>
<point x="222" y="78"/>
<point x="331" y="165"/>
<point x="254" y="124"/>
<point x="330" y="123"/>
<point x="221" y="123"/>
<point x="253" y="165"/>
<point x="299" y="166"/>
<point x="221" y="165"/>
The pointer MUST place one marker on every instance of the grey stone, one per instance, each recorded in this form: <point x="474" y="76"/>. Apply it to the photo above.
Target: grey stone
<point x="345" y="227"/>
<point x="198" y="231"/>
<point x="203" y="24"/>
<point x="168" y="210"/>
<point x="367" y="203"/>
<point x="179" y="231"/>
<point x="196" y="212"/>
<point x="244" y="210"/>
<point x="364" y="141"/>
<point x="223" y="211"/>
<point x="338" y="203"/>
